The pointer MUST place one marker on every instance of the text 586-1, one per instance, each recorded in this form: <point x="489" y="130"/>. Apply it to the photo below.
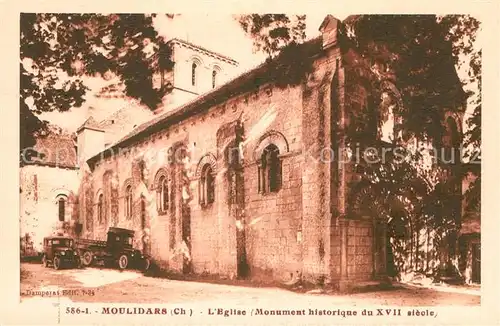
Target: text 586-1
<point x="73" y="310"/>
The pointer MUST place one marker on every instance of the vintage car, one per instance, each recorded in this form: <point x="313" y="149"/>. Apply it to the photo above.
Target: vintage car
<point x="59" y="251"/>
<point x="116" y="251"/>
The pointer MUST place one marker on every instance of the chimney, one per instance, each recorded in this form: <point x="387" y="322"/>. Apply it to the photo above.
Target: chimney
<point x="329" y="30"/>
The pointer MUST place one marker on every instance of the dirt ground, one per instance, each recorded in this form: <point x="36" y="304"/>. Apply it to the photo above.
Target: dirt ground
<point x="112" y="286"/>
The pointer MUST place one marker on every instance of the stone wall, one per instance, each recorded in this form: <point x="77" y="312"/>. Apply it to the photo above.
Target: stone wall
<point x="360" y="250"/>
<point x="292" y="231"/>
<point x="322" y="197"/>
<point x="357" y="248"/>
<point x="180" y="77"/>
<point x="41" y="187"/>
<point x="273" y="220"/>
<point x="123" y="121"/>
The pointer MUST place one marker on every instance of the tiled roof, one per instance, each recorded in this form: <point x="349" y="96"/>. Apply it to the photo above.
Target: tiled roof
<point x="242" y="83"/>
<point x="57" y="150"/>
<point x="124" y="112"/>
<point x="176" y="40"/>
<point x="90" y="123"/>
<point x="123" y="120"/>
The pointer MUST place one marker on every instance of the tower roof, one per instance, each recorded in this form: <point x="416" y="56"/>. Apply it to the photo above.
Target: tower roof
<point x="90" y="123"/>
<point x="206" y="51"/>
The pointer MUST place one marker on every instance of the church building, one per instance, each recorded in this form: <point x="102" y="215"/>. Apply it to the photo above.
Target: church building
<point x="234" y="182"/>
<point x="241" y="176"/>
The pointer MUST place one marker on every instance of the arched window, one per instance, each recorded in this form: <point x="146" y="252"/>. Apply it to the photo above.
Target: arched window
<point x="193" y="73"/>
<point x="162" y="194"/>
<point x="214" y="78"/>
<point x="270" y="170"/>
<point x="128" y="202"/>
<point x="143" y="212"/>
<point x="207" y="185"/>
<point x="62" y="208"/>
<point x="100" y="208"/>
<point x="142" y="170"/>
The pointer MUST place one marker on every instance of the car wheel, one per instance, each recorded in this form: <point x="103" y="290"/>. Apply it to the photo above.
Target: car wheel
<point x="87" y="258"/>
<point x="44" y="261"/>
<point x="57" y="263"/>
<point x="123" y="261"/>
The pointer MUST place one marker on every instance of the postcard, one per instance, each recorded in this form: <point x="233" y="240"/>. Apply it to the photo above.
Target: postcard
<point x="308" y="166"/>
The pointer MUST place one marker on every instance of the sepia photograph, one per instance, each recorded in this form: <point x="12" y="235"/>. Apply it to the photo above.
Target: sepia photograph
<point x="250" y="164"/>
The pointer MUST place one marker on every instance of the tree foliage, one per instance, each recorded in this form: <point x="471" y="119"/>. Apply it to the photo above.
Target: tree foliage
<point x="408" y="63"/>
<point x="273" y="32"/>
<point x="419" y="51"/>
<point x="58" y="50"/>
<point x="417" y="54"/>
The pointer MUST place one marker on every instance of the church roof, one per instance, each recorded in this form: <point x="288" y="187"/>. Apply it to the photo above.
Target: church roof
<point x="90" y="123"/>
<point x="243" y="83"/>
<point x="239" y="85"/>
<point x="56" y="149"/>
<point x="225" y="58"/>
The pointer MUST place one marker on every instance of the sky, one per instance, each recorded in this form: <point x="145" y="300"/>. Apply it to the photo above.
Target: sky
<point x="222" y="33"/>
<point x="217" y="32"/>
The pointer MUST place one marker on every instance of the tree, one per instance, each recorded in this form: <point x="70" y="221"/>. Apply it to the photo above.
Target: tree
<point x="410" y="46"/>
<point x="419" y="53"/>
<point x="58" y="50"/>
<point x="273" y="32"/>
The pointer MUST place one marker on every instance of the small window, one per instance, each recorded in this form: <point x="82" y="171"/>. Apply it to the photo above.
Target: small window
<point x="270" y="170"/>
<point x="162" y="195"/>
<point x="142" y="170"/>
<point x="193" y="73"/>
<point x="128" y="202"/>
<point x="100" y="208"/>
<point x="143" y="212"/>
<point x="207" y="185"/>
<point x="62" y="208"/>
<point x="214" y="78"/>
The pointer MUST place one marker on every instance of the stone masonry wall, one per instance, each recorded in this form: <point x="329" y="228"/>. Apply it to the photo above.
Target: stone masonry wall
<point x="180" y="77"/>
<point x="275" y="219"/>
<point x="293" y="230"/>
<point x="360" y="250"/>
<point x="319" y="186"/>
<point x="40" y="188"/>
<point x="212" y="240"/>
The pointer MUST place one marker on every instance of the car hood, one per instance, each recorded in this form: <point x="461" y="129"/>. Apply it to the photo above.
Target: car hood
<point x="137" y="252"/>
<point x="60" y="249"/>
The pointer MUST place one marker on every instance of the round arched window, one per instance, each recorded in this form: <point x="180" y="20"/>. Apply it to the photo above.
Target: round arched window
<point x="162" y="194"/>
<point x="214" y="78"/>
<point x="128" y="202"/>
<point x="194" y="66"/>
<point x="270" y="169"/>
<point x="100" y="208"/>
<point x="61" y="202"/>
<point x="207" y="185"/>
